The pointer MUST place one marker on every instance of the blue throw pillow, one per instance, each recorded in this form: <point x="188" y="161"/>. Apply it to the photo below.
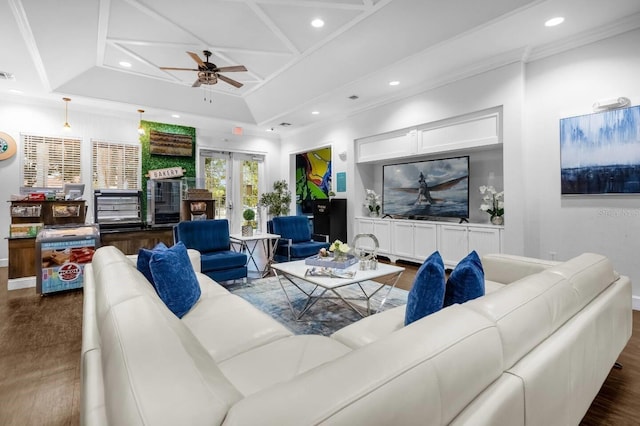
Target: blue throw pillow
<point x="144" y="257"/>
<point x="466" y="281"/>
<point x="175" y="279"/>
<point x="427" y="294"/>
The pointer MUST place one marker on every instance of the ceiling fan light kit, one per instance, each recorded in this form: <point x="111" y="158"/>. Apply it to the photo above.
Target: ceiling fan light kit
<point x="209" y="73"/>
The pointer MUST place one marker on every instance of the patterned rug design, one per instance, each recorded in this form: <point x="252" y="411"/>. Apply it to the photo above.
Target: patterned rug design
<point x="325" y="317"/>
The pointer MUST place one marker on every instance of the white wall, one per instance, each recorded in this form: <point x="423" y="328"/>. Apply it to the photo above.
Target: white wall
<point x="501" y="87"/>
<point x="565" y="85"/>
<point x="538" y="221"/>
<point x="24" y="116"/>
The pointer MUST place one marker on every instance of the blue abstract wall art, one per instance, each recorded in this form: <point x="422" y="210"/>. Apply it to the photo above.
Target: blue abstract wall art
<point x="600" y="153"/>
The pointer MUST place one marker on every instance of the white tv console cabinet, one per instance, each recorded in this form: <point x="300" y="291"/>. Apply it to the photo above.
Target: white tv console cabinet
<point x="415" y="240"/>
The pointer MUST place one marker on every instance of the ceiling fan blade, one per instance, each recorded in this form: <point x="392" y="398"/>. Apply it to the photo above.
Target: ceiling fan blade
<point x="196" y="58"/>
<point x="230" y="81"/>
<point x="177" y="69"/>
<point x="234" y="68"/>
<point x="196" y="84"/>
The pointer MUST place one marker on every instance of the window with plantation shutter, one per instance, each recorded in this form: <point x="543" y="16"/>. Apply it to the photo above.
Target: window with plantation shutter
<point x="50" y="161"/>
<point x="115" y="165"/>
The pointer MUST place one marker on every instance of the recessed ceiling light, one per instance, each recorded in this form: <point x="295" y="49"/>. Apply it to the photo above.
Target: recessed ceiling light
<point x="394" y="83"/>
<point x="175" y="115"/>
<point x="125" y="64"/>
<point x="315" y="112"/>
<point x="317" y="23"/>
<point x="554" y="21"/>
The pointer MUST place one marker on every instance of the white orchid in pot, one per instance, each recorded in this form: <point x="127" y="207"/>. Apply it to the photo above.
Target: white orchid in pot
<point x="372" y="202"/>
<point x="492" y="203"/>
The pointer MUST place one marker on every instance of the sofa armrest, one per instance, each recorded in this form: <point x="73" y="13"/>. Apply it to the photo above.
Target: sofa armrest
<point x="371" y="328"/>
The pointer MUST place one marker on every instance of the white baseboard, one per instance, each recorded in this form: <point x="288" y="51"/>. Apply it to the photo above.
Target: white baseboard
<point x="635" y="303"/>
<point x="4" y="262"/>
<point x="18" y="283"/>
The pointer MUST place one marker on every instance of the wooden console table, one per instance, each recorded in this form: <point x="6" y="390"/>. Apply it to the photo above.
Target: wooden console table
<point x="22" y="251"/>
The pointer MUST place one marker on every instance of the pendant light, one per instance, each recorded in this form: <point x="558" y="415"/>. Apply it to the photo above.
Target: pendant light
<point x="66" y="125"/>
<point x="140" y="128"/>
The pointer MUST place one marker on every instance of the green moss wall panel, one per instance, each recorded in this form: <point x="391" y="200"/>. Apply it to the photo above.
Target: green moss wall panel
<point x="153" y="162"/>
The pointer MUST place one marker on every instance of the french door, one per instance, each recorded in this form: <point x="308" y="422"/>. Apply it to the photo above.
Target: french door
<point x="235" y="180"/>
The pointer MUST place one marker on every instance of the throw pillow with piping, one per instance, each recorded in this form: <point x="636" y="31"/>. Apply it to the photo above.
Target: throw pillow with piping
<point x="175" y="279"/>
<point x="466" y="281"/>
<point x="427" y="294"/>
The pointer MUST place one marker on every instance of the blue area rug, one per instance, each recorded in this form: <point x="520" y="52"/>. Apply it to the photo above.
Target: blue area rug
<point x="325" y="317"/>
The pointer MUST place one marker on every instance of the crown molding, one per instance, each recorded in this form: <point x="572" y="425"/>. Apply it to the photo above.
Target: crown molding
<point x="615" y="28"/>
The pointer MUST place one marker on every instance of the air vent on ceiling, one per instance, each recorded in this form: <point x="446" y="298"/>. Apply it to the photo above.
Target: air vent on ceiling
<point x="353" y="97"/>
<point x="283" y="124"/>
<point x="6" y="76"/>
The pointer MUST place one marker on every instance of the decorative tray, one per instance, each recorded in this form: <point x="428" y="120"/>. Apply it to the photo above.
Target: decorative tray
<point x="330" y="262"/>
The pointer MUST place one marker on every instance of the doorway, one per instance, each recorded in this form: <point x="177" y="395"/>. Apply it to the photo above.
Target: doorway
<point x="235" y="179"/>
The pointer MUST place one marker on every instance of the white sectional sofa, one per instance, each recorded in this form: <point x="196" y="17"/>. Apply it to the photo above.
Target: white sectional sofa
<point x="534" y="351"/>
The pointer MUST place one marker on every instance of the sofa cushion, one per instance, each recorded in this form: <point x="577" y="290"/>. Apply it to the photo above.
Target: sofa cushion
<point x="228" y="325"/>
<point x="174" y="279"/>
<point x="427" y="294"/>
<point x="224" y="259"/>
<point x="372" y="328"/>
<point x="466" y="281"/>
<point x="144" y="257"/>
<point x="307" y="248"/>
<point x="279" y="361"/>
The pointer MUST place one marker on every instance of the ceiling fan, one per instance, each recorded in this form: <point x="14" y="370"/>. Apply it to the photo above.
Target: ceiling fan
<point x="209" y="73"/>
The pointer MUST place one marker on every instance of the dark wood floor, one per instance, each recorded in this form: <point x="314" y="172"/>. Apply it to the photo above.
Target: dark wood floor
<point x="40" y="340"/>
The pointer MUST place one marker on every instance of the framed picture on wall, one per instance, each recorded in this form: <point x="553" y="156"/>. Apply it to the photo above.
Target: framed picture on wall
<point x="313" y="178"/>
<point x="600" y="153"/>
<point x="169" y="144"/>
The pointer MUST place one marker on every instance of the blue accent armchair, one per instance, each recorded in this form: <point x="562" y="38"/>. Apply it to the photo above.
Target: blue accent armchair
<point x="211" y="239"/>
<point x="296" y="241"/>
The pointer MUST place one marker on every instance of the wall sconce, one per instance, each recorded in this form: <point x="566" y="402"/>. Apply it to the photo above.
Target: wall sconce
<point x="66" y="125"/>
<point x="612" y="103"/>
<point x="140" y="129"/>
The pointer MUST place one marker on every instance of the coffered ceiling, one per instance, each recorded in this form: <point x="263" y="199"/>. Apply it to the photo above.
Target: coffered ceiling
<point x="75" y="48"/>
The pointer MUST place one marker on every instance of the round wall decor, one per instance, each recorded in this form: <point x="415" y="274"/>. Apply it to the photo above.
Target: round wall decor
<point x="8" y="146"/>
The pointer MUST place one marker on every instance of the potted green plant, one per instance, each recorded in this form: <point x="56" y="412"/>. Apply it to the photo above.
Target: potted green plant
<point x="249" y="216"/>
<point x="278" y="201"/>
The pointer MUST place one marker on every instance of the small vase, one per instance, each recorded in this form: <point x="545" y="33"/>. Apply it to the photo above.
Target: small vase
<point x="373" y="213"/>
<point x="339" y="257"/>
<point x="497" y="220"/>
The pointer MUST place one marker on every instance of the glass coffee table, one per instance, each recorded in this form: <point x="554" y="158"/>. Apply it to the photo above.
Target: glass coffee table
<point x="323" y="284"/>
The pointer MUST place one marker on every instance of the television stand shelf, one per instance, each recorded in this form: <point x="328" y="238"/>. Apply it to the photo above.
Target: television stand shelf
<point x="415" y="240"/>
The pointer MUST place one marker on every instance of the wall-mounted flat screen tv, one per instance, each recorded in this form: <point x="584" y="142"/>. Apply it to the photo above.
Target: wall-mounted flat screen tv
<point x="427" y="189"/>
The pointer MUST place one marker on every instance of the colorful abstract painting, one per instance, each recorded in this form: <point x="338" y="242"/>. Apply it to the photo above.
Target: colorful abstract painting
<point x="600" y="153"/>
<point x="313" y="178"/>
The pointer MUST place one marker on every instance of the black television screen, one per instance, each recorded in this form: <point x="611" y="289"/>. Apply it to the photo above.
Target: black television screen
<point x="426" y="189"/>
